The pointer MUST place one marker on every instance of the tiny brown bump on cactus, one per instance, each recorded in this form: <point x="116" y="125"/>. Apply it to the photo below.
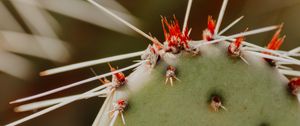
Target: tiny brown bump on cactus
<point x="216" y="103"/>
<point x="264" y="124"/>
<point x="171" y="75"/>
<point x="294" y="86"/>
<point x="230" y="72"/>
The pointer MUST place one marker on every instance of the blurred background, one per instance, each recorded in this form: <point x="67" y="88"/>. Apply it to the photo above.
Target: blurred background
<point x="36" y="35"/>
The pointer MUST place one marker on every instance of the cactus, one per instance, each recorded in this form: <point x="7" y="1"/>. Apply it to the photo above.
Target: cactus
<point x="220" y="80"/>
<point x="252" y="95"/>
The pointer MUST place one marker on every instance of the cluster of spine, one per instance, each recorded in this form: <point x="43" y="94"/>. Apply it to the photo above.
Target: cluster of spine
<point x="176" y="42"/>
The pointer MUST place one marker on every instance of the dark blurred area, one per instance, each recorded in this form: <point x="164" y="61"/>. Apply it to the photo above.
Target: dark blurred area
<point x="90" y="42"/>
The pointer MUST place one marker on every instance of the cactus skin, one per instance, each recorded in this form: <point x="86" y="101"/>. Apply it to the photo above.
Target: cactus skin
<point x="253" y="95"/>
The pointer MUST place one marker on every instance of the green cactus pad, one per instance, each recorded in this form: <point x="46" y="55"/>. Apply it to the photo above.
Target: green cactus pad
<point x="253" y="96"/>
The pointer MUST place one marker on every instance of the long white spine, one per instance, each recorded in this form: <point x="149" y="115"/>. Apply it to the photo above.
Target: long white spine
<point x="187" y="14"/>
<point x="221" y="15"/>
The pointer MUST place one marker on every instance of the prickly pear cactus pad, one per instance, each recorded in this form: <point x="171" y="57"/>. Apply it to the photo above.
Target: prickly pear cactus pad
<point x="221" y="80"/>
<point x="251" y="95"/>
